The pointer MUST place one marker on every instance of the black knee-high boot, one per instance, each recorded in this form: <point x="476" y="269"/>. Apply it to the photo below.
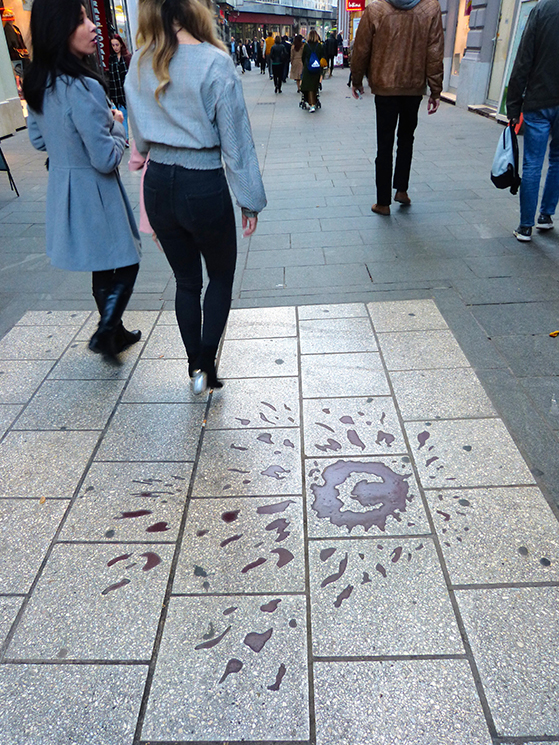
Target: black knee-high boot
<point x="111" y="337"/>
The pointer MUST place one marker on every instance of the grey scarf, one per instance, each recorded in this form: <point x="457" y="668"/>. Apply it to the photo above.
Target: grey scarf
<point x="404" y="4"/>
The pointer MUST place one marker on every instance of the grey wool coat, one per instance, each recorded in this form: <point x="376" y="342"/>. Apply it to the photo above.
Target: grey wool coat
<point x="89" y="223"/>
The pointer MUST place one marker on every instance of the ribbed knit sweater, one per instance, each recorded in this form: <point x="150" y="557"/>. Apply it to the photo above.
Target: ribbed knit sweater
<point x="201" y="118"/>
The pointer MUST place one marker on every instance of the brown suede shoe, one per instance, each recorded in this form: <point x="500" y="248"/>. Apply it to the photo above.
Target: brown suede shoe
<point x="402" y="197"/>
<point x="380" y="209"/>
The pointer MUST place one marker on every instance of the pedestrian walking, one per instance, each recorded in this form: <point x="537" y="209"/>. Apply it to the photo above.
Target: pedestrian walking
<point x="331" y="50"/>
<point x="187" y="110"/>
<point x="245" y="61"/>
<point x="119" y="62"/>
<point x="297" y="61"/>
<point x="287" y="46"/>
<point x="261" y="59"/>
<point x="399" y="46"/>
<point x="89" y="224"/>
<point x="269" y="43"/>
<point x="277" y="56"/>
<point x="534" y="90"/>
<point x="310" y="79"/>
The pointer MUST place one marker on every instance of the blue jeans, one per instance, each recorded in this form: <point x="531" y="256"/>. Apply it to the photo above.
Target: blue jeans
<point x="538" y="127"/>
<point x="124" y="112"/>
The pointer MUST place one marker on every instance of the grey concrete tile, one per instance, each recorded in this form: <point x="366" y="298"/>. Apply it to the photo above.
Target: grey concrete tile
<point x="408" y="269"/>
<point x="507" y="290"/>
<point x="496" y="535"/>
<point x="9" y="608"/>
<point x="438" y="696"/>
<point x="153" y="432"/>
<point x="366" y="254"/>
<point x="343" y="374"/>
<point x="161" y="381"/>
<point x="339" y="493"/>
<point x="71" y="404"/>
<point x="518" y="318"/>
<point x="371" y="598"/>
<point x="545" y="394"/>
<point x="242" y="545"/>
<point x="258" y="358"/>
<point x="351" y="426"/>
<point x="26" y="530"/>
<point x="285" y="257"/>
<point x="95" y="601"/>
<point x="324" y="335"/>
<point x="261" y="323"/>
<point x="339" y="238"/>
<point x="255" y="402"/>
<point x="512" y="266"/>
<point x="339" y="310"/>
<point x="129" y="502"/>
<point x="78" y="363"/>
<point x="440" y="394"/>
<point x="513" y="635"/>
<point x="522" y="351"/>
<point x="291" y="226"/>
<point x="249" y="463"/>
<point x="36" y="342"/>
<point x="420" y="350"/>
<point x="330" y="275"/>
<point x="21" y="378"/>
<point x="262" y="279"/>
<point x="478" y="452"/>
<point x="44" y="464"/>
<point x="58" y="704"/>
<point x="165" y="343"/>
<point x="8" y="412"/>
<point x="406" y="315"/>
<point x="207" y="692"/>
<point x="267" y="243"/>
<point x="54" y="318"/>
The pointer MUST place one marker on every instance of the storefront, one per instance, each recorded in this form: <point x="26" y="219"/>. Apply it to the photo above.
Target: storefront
<point x="256" y="25"/>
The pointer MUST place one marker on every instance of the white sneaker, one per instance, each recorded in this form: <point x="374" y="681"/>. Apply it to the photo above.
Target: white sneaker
<point x="312" y="109"/>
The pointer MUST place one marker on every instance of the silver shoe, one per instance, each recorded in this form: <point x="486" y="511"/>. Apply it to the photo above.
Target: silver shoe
<point x="199" y="382"/>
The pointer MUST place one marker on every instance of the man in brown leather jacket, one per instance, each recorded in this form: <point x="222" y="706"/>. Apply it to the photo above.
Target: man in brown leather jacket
<point x="399" y="46"/>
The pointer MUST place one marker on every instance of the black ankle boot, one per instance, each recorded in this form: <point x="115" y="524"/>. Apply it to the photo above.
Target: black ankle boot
<point x="107" y="340"/>
<point x="206" y="363"/>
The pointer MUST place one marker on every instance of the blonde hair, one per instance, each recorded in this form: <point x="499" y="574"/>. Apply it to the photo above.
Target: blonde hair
<point x="313" y="36"/>
<point x="157" y="32"/>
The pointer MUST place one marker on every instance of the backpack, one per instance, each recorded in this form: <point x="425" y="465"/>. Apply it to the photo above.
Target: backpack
<point x="504" y="171"/>
<point x="313" y="65"/>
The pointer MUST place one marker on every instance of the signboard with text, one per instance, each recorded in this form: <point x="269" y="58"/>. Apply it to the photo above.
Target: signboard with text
<point x="354" y="5"/>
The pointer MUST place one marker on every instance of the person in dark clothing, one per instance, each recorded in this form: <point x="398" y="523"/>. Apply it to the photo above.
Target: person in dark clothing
<point x="119" y="62"/>
<point x="287" y="47"/>
<point x="277" y="57"/>
<point x="331" y="49"/>
<point x="310" y="81"/>
<point x="534" y="89"/>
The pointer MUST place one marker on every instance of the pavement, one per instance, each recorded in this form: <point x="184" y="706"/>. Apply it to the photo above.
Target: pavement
<point x="356" y="541"/>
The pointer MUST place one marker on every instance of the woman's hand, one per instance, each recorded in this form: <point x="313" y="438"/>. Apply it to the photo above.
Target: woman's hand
<point x="249" y="225"/>
<point x="118" y="116"/>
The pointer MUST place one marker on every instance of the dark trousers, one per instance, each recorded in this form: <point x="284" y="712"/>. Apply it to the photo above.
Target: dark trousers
<point x="277" y="70"/>
<point x="394" y="111"/>
<point x="331" y="64"/>
<point x="192" y="215"/>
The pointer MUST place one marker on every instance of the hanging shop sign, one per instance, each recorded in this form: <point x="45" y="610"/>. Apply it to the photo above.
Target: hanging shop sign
<point x="354" y="5"/>
<point x="100" y="20"/>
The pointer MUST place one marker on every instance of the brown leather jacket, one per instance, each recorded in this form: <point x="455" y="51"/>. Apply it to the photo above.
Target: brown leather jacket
<point x="400" y="50"/>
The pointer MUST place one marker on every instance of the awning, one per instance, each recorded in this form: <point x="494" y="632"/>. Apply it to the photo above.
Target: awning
<point x="238" y="17"/>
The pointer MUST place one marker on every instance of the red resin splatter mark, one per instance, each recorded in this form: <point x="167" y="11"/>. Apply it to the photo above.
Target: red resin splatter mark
<point x="213" y="642"/>
<point x="253" y="565"/>
<point x="152" y="560"/>
<point x="116" y="586"/>
<point x="118" y="558"/>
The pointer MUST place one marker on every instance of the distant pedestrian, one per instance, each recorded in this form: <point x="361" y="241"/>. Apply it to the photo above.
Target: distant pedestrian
<point x="297" y="61"/>
<point x="331" y="50"/>
<point x="534" y="89"/>
<point x="277" y="57"/>
<point x="287" y="46"/>
<point x="269" y="43"/>
<point x="310" y="80"/>
<point x="89" y="225"/>
<point x="399" y="46"/>
<point x="261" y="59"/>
<point x="187" y="110"/>
<point x="119" y="62"/>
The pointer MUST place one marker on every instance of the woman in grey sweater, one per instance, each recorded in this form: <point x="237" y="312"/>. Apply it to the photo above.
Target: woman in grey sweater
<point x="90" y="225"/>
<point x="187" y="110"/>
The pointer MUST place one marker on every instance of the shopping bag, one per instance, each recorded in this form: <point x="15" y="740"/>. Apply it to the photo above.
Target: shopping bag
<point x="504" y="171"/>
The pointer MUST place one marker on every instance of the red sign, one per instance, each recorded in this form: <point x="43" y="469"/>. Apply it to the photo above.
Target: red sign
<point x="100" y="20"/>
<point x="354" y="5"/>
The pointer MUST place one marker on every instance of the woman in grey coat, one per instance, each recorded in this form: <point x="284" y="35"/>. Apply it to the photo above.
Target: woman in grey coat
<point x="90" y="225"/>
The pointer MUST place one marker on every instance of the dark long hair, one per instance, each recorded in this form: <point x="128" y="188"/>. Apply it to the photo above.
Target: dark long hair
<point x="298" y="43"/>
<point x="52" y="24"/>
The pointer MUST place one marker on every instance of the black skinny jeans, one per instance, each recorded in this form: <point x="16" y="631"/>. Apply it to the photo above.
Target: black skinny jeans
<point x="192" y="215"/>
<point x="392" y="111"/>
<point x="277" y="71"/>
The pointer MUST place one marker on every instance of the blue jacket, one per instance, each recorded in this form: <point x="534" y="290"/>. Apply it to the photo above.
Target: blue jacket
<point x="89" y="222"/>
